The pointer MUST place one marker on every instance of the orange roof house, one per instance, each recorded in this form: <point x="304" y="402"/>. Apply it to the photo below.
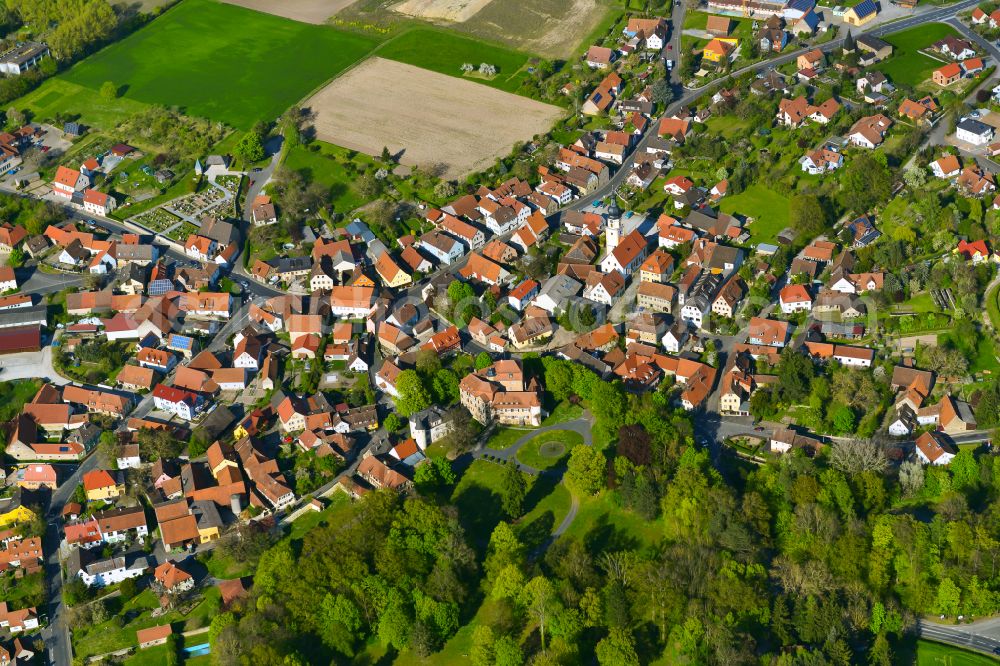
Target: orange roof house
<point x="948" y="74"/>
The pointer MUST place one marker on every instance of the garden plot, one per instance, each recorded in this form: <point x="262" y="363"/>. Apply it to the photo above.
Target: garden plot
<point x="430" y="118"/>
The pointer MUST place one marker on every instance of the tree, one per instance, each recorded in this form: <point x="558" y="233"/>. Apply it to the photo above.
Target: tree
<point x="250" y="148"/>
<point x="617" y="649"/>
<point x="445" y="190"/>
<point x="433" y="474"/>
<point x="864" y="184"/>
<point x="392" y="422"/>
<point x="539" y="597"/>
<point x="15" y="116"/>
<point x="914" y="177"/>
<point x="109" y="90"/>
<point x="585" y="470"/>
<point x="911" y="477"/>
<point x="949" y="596"/>
<point x="507" y="652"/>
<point x="159" y="443"/>
<point x="513" y="489"/>
<point x="483" y="360"/>
<point x="854" y="456"/>
<point x="413" y="396"/>
<point x="806" y="215"/>
<point x="844" y="420"/>
<point x="662" y="93"/>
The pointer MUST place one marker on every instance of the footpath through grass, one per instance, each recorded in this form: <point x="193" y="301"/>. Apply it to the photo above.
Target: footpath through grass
<point x="213" y="60"/>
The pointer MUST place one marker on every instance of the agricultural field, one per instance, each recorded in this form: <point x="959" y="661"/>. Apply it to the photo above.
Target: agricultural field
<point x="556" y="29"/>
<point x="445" y="129"/>
<point x="445" y="52"/>
<point x="253" y="70"/>
<point x="307" y="11"/>
<point x="456" y="11"/>
<point x="908" y="66"/>
<point x="551" y="28"/>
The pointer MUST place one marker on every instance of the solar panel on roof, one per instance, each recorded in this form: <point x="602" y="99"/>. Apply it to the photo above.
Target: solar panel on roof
<point x="181" y="342"/>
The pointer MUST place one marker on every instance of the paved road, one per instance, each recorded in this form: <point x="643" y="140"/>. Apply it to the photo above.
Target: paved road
<point x="261" y="178"/>
<point x="928" y="15"/>
<point x="983" y="636"/>
<point x="56" y="634"/>
<point x="31" y="365"/>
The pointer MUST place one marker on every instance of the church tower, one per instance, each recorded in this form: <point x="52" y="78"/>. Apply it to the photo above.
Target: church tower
<point x="613" y="230"/>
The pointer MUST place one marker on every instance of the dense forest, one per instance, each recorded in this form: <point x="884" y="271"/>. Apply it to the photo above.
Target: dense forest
<point x="826" y="560"/>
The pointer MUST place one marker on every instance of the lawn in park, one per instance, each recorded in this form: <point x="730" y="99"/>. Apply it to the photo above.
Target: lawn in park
<point x="907" y="66"/>
<point x="446" y="52"/>
<point x="212" y="60"/>
<point x="768" y="208"/>
<point x="548" y="449"/>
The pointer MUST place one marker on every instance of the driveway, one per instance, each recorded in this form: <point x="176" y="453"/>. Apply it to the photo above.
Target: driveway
<point x="261" y="178"/>
<point x="30" y="365"/>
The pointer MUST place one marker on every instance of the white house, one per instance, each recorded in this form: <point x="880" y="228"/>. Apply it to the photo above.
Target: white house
<point x="8" y="281"/>
<point x="128" y="457"/>
<point x="98" y="203"/>
<point x="795" y="298"/>
<point x="184" y="404"/>
<point x="675" y="338"/>
<point x="111" y="571"/>
<point x="855" y="357"/>
<point x="932" y="449"/>
<point x="442" y="247"/>
<point x="946" y="167"/>
<point x="974" y="131"/>
<point x="68" y="182"/>
<point x="627" y="256"/>
<point x="428" y="426"/>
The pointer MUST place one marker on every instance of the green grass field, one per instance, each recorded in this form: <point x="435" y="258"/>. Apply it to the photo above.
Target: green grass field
<point x="108" y="636"/>
<point x="212" y="60"/>
<point x="328" y="166"/>
<point x="600" y="520"/>
<point x="739" y="28"/>
<point x="768" y="208"/>
<point x="920" y="303"/>
<point x="993" y="306"/>
<point x="59" y="96"/>
<point x="908" y="66"/>
<point x="445" y="52"/>
<point x="937" y="654"/>
<point x="548" y="449"/>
